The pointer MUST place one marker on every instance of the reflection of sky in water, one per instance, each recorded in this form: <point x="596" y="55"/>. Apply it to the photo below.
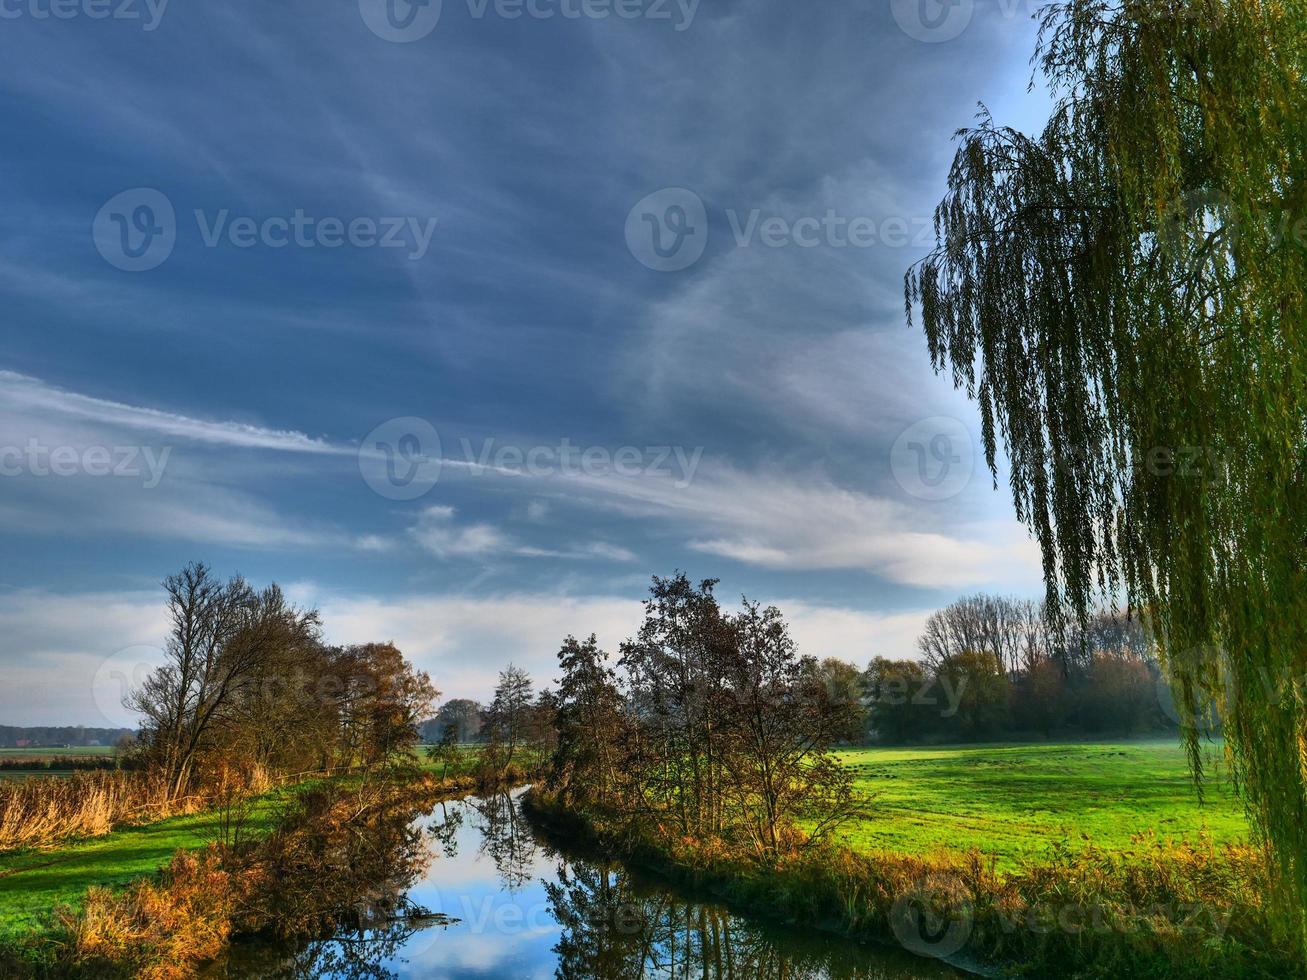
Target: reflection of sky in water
<point x="501" y="933"/>
<point x="489" y="871"/>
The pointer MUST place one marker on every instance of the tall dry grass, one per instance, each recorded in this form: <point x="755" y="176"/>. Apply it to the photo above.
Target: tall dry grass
<point x="43" y="811"/>
<point x="155" y="929"/>
<point x="336" y="854"/>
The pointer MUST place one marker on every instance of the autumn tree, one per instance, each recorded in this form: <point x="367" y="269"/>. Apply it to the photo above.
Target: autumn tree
<point x="379" y="699"/>
<point x="211" y="653"/>
<point x="463" y="714"/>
<point x="445" y="751"/>
<point x="894" y="693"/>
<point x="843" y="683"/>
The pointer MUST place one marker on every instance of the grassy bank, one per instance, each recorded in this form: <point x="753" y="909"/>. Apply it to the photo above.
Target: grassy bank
<point x="315" y="855"/>
<point x="1016" y="801"/>
<point x="1049" y="903"/>
<point x="34" y="882"/>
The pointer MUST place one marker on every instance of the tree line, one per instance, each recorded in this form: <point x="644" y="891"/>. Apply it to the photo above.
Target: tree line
<point x="992" y="666"/>
<point x="988" y="667"/>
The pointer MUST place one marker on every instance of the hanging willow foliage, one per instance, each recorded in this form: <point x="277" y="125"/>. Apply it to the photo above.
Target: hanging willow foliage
<point x="1124" y="297"/>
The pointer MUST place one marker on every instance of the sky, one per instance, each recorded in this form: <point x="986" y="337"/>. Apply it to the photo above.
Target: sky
<point x="460" y="320"/>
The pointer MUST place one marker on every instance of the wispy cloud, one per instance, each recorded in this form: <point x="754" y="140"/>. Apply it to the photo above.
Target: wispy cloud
<point x="438" y="532"/>
<point x="20" y="393"/>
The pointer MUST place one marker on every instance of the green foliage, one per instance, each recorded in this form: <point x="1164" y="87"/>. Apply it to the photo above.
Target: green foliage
<point x="1124" y="296"/>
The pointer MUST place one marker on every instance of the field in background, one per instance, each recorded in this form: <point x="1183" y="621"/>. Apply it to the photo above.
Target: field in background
<point x="14" y="761"/>
<point x="78" y="752"/>
<point x="1015" y="801"/>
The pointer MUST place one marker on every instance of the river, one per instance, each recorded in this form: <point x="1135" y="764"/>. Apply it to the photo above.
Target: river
<point x="494" y="898"/>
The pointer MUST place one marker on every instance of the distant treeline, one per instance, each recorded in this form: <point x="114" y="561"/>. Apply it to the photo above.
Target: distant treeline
<point x="992" y="666"/>
<point x="76" y="737"/>
<point x="989" y="667"/>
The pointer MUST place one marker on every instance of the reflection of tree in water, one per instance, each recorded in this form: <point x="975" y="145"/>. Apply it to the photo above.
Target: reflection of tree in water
<point x="611" y="931"/>
<point x="505" y="838"/>
<point x="350" y="882"/>
<point x="445" y="827"/>
<point x="357" y="953"/>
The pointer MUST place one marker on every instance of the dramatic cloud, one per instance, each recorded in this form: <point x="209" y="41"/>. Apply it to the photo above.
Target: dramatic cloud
<point x="243" y="382"/>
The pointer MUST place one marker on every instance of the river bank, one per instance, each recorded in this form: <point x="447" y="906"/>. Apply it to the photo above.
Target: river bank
<point x="1157" y="910"/>
<point x="325" y="851"/>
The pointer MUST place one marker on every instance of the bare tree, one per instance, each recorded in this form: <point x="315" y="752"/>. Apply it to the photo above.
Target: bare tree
<point x="183" y="700"/>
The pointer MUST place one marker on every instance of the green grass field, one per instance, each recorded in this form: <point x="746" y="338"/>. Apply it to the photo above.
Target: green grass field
<point x="33" y="882"/>
<point x="37" y="756"/>
<point x="1015" y="801"/>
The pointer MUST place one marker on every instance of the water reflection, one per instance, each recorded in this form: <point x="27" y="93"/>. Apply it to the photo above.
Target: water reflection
<point x="495" y="899"/>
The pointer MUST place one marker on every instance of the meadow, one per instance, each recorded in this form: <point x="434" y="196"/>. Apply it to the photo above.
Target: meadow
<point x="32" y="882"/>
<point x="1012" y="801"/>
<point x="1016" y="801"/>
<point x="79" y="752"/>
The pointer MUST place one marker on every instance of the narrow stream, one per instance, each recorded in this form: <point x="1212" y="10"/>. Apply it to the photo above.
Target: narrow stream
<point x="505" y="902"/>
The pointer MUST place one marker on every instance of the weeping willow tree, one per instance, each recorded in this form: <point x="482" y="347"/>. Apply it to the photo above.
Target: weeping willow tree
<point x="1123" y="295"/>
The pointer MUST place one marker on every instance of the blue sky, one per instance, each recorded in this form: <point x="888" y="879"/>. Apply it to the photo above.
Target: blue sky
<point x="244" y="242"/>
